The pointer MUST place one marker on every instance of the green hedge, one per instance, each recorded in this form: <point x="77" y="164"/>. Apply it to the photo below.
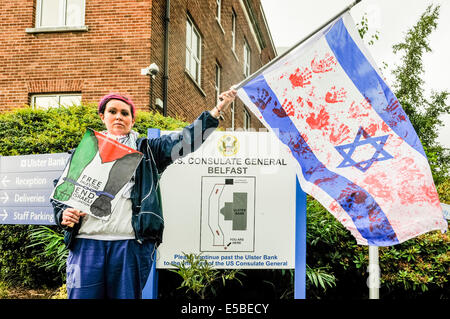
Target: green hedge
<point x="417" y="268"/>
<point x="35" y="131"/>
<point x="30" y="131"/>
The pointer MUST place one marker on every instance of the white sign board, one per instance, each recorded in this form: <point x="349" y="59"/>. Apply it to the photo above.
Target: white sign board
<point x="446" y="210"/>
<point x="233" y="201"/>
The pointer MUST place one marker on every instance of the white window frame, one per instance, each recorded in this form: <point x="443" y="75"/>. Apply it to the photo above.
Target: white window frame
<point x="62" y="15"/>
<point x="233" y="30"/>
<point x="247" y="59"/>
<point x="197" y="57"/>
<point x="233" y="108"/>
<point x="56" y="96"/>
<point x="217" y="86"/>
<point x="218" y="10"/>
<point x="246" y="120"/>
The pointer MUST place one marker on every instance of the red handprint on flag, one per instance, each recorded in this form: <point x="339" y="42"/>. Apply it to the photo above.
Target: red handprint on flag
<point x="340" y="134"/>
<point x="335" y="96"/>
<point x="300" y="78"/>
<point x="323" y="65"/>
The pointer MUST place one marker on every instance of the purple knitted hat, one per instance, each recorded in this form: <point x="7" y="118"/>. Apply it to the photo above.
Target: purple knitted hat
<point x="115" y="96"/>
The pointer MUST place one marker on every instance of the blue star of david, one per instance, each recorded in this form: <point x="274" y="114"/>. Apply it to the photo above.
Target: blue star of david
<point x="378" y="143"/>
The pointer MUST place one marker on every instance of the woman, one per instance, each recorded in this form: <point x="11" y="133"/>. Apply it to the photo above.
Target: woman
<point x="112" y="259"/>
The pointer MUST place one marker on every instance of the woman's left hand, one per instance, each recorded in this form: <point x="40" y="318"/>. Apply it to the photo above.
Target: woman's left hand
<point x="226" y="98"/>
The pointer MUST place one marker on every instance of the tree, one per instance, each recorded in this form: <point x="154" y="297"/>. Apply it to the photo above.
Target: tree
<point x="424" y="113"/>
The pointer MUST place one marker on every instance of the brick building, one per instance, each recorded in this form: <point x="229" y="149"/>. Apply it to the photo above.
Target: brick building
<point x="64" y="51"/>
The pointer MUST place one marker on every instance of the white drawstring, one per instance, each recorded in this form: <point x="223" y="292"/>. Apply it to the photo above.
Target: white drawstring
<point x="154" y="252"/>
<point x="157" y="180"/>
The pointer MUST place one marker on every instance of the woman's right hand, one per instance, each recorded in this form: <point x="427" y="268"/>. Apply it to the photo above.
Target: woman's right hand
<point x="71" y="216"/>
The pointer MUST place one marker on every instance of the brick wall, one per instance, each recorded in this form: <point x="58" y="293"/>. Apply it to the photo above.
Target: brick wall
<point x="123" y="37"/>
<point x="185" y="97"/>
<point x="106" y="58"/>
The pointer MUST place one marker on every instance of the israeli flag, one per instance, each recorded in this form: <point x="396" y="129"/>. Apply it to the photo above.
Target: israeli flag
<point x="356" y="149"/>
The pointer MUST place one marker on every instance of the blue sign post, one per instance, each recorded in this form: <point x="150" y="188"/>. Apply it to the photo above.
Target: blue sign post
<point x="300" y="243"/>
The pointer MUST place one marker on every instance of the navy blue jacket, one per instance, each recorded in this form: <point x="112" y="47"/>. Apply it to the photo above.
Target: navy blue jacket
<point x="147" y="215"/>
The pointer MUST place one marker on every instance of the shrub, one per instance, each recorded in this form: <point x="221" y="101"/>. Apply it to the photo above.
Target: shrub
<point x="200" y="278"/>
<point x="20" y="265"/>
<point x="444" y="191"/>
<point x="53" y="248"/>
<point x="417" y="268"/>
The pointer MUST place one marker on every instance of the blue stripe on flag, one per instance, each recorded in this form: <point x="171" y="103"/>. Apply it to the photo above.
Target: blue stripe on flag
<point x="368" y="217"/>
<point x="371" y="86"/>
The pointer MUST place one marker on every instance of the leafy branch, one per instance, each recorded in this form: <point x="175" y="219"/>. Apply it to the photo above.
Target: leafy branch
<point x="200" y="277"/>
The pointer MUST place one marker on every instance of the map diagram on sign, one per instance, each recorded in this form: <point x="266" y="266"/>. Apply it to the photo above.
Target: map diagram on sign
<point x="227" y="213"/>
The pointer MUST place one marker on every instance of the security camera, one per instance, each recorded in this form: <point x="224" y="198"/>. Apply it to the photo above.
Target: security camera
<point x="153" y="69"/>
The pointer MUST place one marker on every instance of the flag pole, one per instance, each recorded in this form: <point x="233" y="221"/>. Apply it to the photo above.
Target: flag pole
<point x="254" y="75"/>
<point x="374" y="273"/>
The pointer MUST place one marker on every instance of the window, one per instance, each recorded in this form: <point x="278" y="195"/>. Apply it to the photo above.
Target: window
<point x="217" y="82"/>
<point x="193" y="51"/>
<point x="219" y="9"/>
<point x="46" y="101"/>
<point x="233" y="31"/>
<point x="217" y="86"/>
<point x="246" y="59"/>
<point x="59" y="13"/>
<point x="246" y="120"/>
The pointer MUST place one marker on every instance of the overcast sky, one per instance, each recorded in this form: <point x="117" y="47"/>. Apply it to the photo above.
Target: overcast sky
<point x="291" y="20"/>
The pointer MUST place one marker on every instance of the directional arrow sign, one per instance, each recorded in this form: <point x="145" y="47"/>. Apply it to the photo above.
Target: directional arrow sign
<point x="3" y="215"/>
<point x="25" y="198"/>
<point x="4" y="181"/>
<point x="27" y="215"/>
<point x="4" y="198"/>
<point x="33" y="163"/>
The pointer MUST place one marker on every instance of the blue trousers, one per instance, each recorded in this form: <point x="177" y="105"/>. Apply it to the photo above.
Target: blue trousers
<point x="100" y="269"/>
